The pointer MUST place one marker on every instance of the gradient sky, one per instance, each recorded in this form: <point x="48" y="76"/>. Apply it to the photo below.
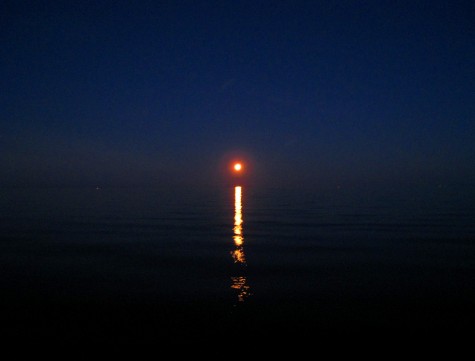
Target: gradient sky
<point x="309" y="93"/>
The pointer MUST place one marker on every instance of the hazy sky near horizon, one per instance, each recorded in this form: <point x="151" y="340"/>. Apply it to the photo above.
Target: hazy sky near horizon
<point x="308" y="93"/>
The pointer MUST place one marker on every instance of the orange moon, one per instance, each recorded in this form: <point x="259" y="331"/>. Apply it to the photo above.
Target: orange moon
<point x="237" y="167"/>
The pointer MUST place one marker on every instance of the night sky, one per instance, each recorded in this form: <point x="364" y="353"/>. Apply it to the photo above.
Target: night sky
<point x="311" y="94"/>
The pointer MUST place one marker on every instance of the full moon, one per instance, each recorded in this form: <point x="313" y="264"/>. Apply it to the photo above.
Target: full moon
<point x="237" y="166"/>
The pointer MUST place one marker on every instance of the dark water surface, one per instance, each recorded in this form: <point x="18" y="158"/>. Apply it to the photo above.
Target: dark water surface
<point x="134" y="264"/>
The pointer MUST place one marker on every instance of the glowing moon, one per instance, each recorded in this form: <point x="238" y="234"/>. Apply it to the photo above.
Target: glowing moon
<point x="237" y="167"/>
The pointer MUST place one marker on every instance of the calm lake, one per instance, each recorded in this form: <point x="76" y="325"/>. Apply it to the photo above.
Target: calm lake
<point x="131" y="263"/>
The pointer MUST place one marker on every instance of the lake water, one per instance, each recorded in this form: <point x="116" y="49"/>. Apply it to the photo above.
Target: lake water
<point x="129" y="263"/>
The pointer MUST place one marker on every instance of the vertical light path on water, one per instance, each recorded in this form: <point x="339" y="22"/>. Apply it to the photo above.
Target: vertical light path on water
<point x="239" y="282"/>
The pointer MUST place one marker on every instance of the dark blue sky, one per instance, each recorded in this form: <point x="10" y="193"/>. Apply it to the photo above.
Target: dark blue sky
<point x="311" y="93"/>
